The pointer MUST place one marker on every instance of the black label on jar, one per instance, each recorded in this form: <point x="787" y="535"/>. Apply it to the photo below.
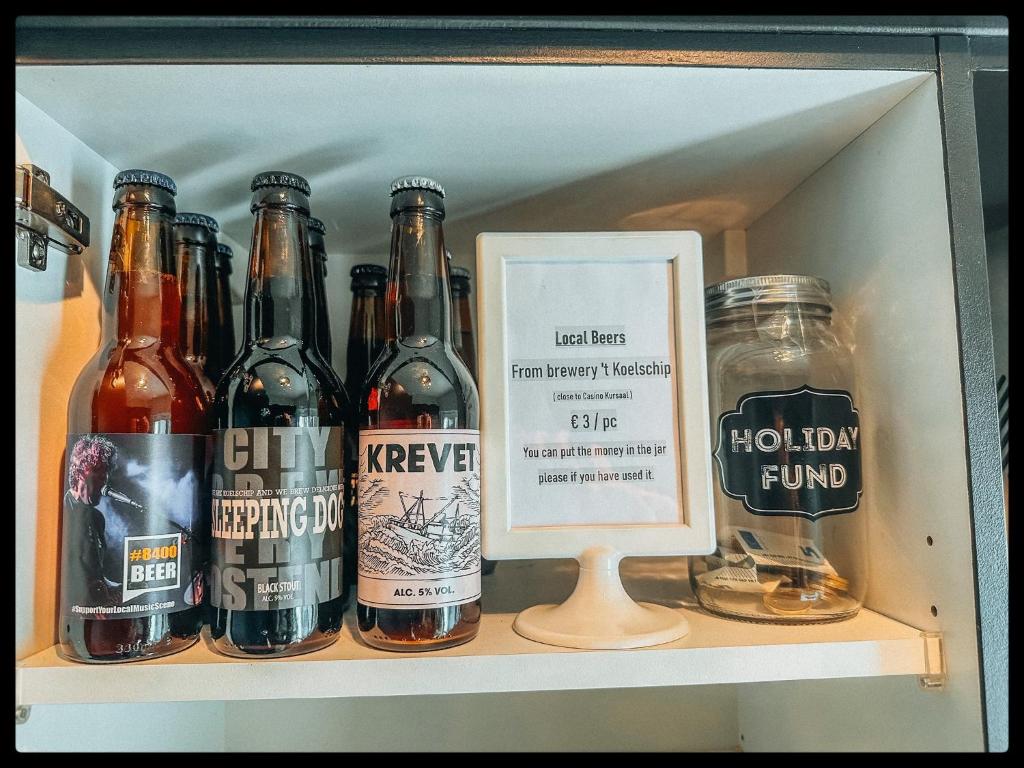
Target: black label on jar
<point x="132" y="541"/>
<point x="794" y="453"/>
<point x="278" y="500"/>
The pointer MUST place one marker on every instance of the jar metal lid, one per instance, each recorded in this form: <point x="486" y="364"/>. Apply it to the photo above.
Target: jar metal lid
<point x="460" y="273"/>
<point x="315" y="225"/>
<point x="770" y="289"/>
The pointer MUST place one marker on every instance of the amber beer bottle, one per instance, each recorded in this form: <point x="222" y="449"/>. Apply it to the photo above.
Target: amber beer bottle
<point x="365" y="341"/>
<point x="318" y="254"/>
<point x="462" y="319"/>
<point x="465" y="343"/>
<point x="222" y="347"/>
<point x="194" y="247"/>
<point x="133" y="546"/>
<point x="419" y="457"/>
<point x="278" y="481"/>
<point x="317" y="231"/>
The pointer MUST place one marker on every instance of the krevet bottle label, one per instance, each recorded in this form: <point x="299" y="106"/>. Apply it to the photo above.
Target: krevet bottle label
<point x="276" y="507"/>
<point x="792" y="453"/>
<point x="132" y="541"/>
<point x="419" y="517"/>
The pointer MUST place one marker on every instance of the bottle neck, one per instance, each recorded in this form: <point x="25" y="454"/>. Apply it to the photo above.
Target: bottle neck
<point x="366" y="335"/>
<point x="142" y="296"/>
<point x="418" y="308"/>
<point x="194" y="282"/>
<point x="367" y="322"/>
<point x="279" y="296"/>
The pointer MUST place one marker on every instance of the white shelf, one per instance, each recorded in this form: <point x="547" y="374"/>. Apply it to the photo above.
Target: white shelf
<point x="716" y="651"/>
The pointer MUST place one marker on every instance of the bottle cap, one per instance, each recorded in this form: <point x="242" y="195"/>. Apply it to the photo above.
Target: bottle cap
<point x="280" y="179"/>
<point x="372" y="270"/>
<point x="198" y="220"/>
<point x="222" y="258"/>
<point x="317" y="226"/>
<point x="368" y="276"/>
<point x="460" y="272"/>
<point x="139" y="176"/>
<point x="415" y="182"/>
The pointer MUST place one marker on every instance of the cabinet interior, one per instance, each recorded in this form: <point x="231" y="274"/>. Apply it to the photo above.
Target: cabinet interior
<point x="838" y="173"/>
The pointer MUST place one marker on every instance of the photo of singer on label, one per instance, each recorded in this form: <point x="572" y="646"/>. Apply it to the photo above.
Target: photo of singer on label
<point x="123" y="536"/>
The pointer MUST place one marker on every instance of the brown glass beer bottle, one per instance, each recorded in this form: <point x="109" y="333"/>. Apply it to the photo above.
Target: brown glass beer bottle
<point x="419" y="450"/>
<point x="222" y="348"/>
<point x="462" y="319"/>
<point x="133" y="546"/>
<point x="194" y="249"/>
<point x="318" y="248"/>
<point x="278" y="485"/>
<point x="365" y="341"/>
<point x="465" y="345"/>
<point x="318" y="255"/>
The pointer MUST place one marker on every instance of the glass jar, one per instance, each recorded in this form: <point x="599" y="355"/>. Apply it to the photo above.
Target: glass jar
<point x="787" y="440"/>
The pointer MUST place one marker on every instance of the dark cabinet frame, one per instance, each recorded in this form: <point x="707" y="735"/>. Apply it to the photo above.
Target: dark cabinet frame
<point x="953" y="47"/>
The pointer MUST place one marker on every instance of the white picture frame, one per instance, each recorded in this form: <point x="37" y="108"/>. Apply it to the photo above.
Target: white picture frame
<point x="599" y="545"/>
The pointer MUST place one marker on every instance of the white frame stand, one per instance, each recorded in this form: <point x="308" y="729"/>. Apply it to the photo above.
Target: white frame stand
<point x="599" y="614"/>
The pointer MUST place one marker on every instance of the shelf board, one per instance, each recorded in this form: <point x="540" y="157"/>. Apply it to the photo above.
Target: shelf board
<point x="715" y="651"/>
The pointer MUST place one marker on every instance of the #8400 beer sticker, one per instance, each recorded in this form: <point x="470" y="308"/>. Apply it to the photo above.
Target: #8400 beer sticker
<point x="419" y="518"/>
<point x="132" y="532"/>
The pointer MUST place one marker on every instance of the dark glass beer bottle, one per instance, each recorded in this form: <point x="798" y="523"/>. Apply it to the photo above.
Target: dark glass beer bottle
<point x="462" y="319"/>
<point x="222" y="348"/>
<point x="278" y="480"/>
<point x="465" y="344"/>
<point x="419" y="458"/>
<point x="133" y="547"/>
<point x="317" y="231"/>
<point x="194" y="249"/>
<point x="318" y="254"/>
<point x="365" y="341"/>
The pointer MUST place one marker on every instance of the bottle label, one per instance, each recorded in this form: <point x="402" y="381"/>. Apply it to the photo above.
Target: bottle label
<point x="278" y="499"/>
<point x="793" y="453"/>
<point x="419" y="517"/>
<point x="132" y="540"/>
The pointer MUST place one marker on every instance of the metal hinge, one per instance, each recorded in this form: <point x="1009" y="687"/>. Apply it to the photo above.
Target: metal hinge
<point x="934" y="678"/>
<point x="43" y="217"/>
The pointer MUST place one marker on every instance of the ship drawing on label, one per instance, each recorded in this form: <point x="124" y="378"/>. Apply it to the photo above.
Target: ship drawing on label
<point x="413" y="534"/>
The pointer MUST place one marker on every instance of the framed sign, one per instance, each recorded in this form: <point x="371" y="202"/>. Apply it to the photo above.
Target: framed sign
<point x="596" y="439"/>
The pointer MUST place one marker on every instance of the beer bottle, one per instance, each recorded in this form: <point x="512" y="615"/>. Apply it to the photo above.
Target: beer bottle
<point x="222" y="347"/>
<point x="278" y="487"/>
<point x="462" y="319"/>
<point x="317" y="231"/>
<point x="365" y="341"/>
<point x="318" y="254"/>
<point x="465" y="344"/>
<point x="419" y="457"/>
<point x="133" y="547"/>
<point x="194" y="250"/>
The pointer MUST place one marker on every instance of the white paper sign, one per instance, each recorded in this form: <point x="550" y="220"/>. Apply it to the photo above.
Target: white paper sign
<point x="591" y="379"/>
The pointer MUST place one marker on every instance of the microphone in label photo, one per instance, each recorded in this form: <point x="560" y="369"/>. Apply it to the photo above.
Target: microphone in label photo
<point x="110" y="493"/>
